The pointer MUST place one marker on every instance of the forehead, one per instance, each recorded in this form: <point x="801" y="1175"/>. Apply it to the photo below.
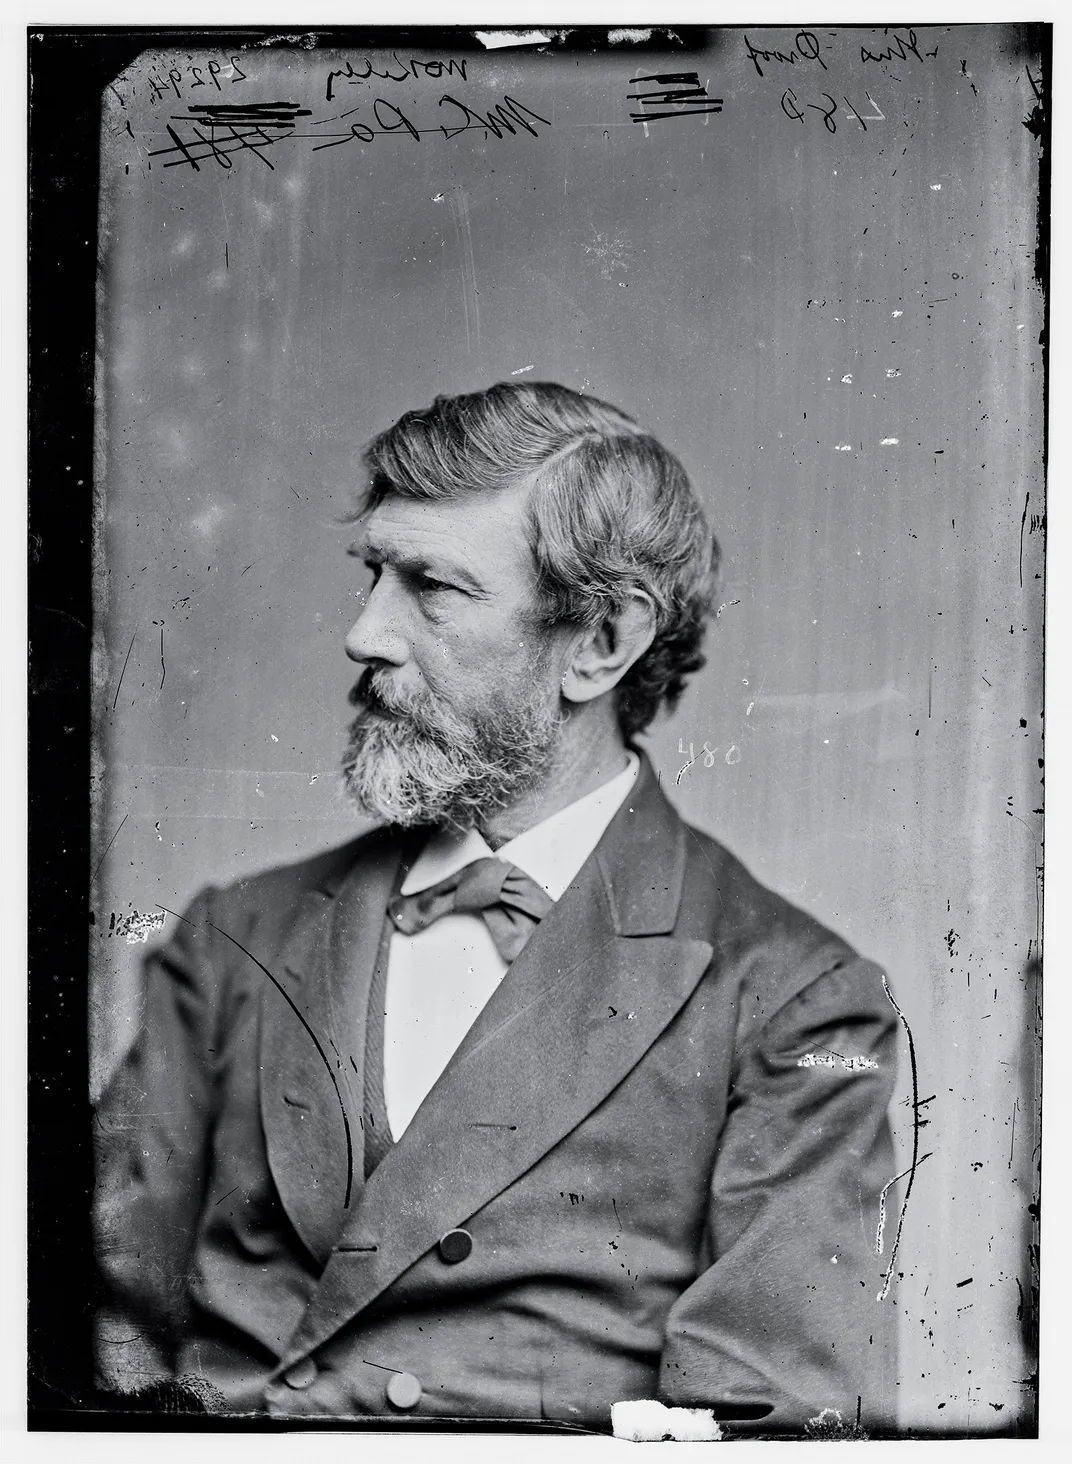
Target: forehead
<point x="482" y="533"/>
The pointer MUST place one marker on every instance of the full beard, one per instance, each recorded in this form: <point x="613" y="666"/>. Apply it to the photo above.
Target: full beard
<point x="412" y="759"/>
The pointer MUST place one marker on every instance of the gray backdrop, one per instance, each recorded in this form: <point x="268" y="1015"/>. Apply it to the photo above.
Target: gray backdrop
<point x="820" y="294"/>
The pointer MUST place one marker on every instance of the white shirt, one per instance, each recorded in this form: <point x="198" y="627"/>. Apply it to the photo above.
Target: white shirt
<point x="439" y="980"/>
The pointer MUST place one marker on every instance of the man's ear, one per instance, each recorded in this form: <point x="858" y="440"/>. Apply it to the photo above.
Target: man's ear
<point x="602" y="656"/>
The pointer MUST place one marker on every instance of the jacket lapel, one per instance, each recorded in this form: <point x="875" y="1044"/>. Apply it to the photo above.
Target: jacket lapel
<point x="596" y="984"/>
<point x="313" y="1045"/>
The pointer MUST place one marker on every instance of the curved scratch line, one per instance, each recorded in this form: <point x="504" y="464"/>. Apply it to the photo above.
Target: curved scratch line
<point x="882" y="1204"/>
<point x="323" y="1057"/>
<point x="911" y="1171"/>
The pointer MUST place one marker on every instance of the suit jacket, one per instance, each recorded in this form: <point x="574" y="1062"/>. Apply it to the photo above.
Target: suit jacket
<point x="665" y="1134"/>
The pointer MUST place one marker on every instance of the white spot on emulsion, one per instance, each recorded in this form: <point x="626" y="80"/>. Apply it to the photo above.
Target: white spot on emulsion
<point x="847" y="378"/>
<point x="646" y="1421"/>
<point x="835" y="1059"/>
<point x="890" y="441"/>
<point x="891" y="372"/>
<point x="896" y="313"/>
<point x="138" y="927"/>
<point x="843" y="447"/>
<point x="522" y="369"/>
<point x="936" y="188"/>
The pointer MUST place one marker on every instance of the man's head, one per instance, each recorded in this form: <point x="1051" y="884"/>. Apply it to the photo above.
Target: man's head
<point x="536" y="557"/>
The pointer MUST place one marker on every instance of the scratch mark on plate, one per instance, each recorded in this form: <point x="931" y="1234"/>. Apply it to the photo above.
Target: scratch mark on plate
<point x="122" y="673"/>
<point x="109" y="844"/>
<point x="916" y="1161"/>
<point x="316" y="1043"/>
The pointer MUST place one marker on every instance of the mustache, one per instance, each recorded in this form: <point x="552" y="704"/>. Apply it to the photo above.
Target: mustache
<point x="420" y="710"/>
<point x="375" y="695"/>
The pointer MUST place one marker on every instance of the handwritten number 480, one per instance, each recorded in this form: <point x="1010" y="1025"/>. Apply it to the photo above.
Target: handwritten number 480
<point x="792" y="108"/>
<point x="733" y="755"/>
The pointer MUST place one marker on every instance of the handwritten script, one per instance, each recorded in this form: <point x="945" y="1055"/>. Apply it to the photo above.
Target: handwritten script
<point x="898" y="49"/>
<point x="214" y="132"/>
<point x="395" y="70"/>
<point x="804" y="48"/>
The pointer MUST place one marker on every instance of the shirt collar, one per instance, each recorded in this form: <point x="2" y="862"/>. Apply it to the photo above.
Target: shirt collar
<point x="551" y="852"/>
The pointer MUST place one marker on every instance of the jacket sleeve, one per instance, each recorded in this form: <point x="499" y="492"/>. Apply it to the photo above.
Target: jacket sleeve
<point x="785" y="1318"/>
<point x="152" y="1128"/>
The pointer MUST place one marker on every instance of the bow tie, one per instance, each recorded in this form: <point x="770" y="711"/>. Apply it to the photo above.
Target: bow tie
<point x="511" y="904"/>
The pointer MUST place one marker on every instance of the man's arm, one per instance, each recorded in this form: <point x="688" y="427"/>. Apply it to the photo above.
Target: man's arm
<point x="152" y="1129"/>
<point x="786" y="1314"/>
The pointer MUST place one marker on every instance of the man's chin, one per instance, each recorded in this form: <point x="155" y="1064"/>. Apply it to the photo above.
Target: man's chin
<point x="397" y="774"/>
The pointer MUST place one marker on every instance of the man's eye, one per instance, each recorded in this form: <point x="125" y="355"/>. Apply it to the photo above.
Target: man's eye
<point x="433" y="585"/>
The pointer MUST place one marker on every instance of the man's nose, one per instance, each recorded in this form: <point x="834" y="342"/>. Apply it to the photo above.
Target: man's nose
<point x="377" y="634"/>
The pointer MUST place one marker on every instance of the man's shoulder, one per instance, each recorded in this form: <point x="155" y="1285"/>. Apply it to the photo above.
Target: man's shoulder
<point x="280" y="887"/>
<point x="776" y="947"/>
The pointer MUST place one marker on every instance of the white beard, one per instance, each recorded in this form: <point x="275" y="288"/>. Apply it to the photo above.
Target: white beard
<point x="429" y="765"/>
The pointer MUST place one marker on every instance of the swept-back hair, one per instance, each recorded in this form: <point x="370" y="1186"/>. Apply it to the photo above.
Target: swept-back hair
<point x="611" y="513"/>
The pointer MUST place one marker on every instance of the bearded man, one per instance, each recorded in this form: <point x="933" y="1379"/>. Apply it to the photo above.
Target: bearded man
<point x="520" y="1105"/>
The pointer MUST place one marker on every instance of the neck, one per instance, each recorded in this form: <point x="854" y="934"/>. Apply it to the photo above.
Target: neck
<point x="591" y="752"/>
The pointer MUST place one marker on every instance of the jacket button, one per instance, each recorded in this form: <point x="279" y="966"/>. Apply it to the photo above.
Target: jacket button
<point x="455" y="1246"/>
<point x="302" y="1374"/>
<point x="403" y="1391"/>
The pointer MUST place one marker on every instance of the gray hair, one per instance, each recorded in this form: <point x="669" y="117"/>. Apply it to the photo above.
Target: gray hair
<point x="612" y="514"/>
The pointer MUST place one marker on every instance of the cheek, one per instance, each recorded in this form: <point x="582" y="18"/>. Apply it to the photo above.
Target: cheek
<point x="478" y="671"/>
<point x="455" y="657"/>
<point x="473" y="652"/>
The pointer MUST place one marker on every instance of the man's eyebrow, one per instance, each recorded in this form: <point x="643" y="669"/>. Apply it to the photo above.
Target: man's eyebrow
<point x="373" y="553"/>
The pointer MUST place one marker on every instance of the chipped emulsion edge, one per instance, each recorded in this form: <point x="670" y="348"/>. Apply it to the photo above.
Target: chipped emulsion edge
<point x="646" y="1420"/>
<point x="496" y="40"/>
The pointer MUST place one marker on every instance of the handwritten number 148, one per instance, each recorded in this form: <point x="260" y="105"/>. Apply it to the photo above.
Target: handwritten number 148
<point x="792" y="108"/>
